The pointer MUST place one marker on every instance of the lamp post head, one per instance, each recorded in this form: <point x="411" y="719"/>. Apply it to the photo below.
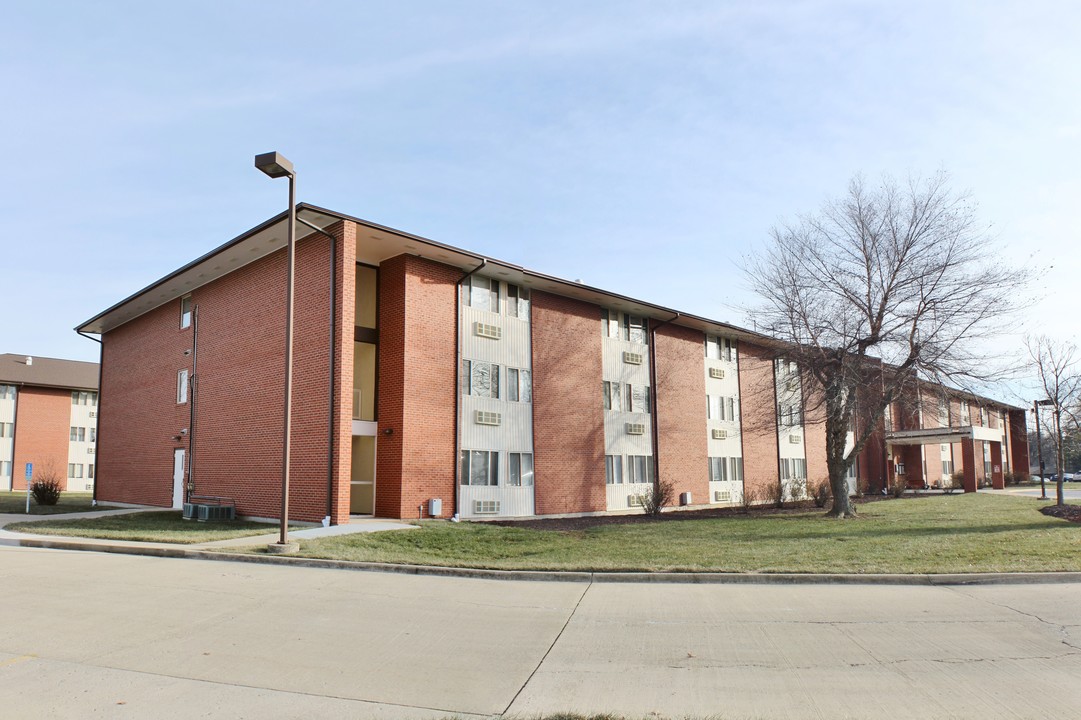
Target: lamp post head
<point x="274" y="165"/>
<point x="1045" y="402"/>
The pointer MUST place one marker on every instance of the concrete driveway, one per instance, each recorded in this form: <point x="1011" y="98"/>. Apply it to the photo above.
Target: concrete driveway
<point x="98" y="635"/>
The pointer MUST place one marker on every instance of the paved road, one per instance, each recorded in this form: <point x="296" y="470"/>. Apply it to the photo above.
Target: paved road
<point x="115" y="636"/>
<point x="1070" y="491"/>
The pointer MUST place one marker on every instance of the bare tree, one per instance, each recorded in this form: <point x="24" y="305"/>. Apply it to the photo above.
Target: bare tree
<point x="882" y="288"/>
<point x="1058" y="368"/>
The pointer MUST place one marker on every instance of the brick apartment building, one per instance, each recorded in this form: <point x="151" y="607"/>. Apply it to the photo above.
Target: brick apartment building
<point x="426" y="372"/>
<point x="48" y="412"/>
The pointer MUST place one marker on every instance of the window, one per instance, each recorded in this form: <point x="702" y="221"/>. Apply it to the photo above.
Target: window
<point x="481" y="293"/>
<point x="93" y="434"/>
<point x="639" y="469"/>
<point x="637" y="397"/>
<point x="966" y="418"/>
<point x="5" y="468"/>
<point x="713" y="347"/>
<point x="90" y="472"/>
<point x="635" y="328"/>
<point x="947" y="467"/>
<point x="480" y="467"/>
<point x="720" y="408"/>
<point x="610" y="324"/>
<point x="84" y="398"/>
<point x="75" y="470"/>
<point x="613" y="469"/>
<point x="75" y="397"/>
<point x="182" y="387"/>
<point x="520" y="472"/>
<point x="480" y="379"/>
<point x="185" y="312"/>
<point x="74" y="435"/>
<point x="718" y="469"/>
<point x="612" y="398"/>
<point x="793" y="469"/>
<point x="729" y="350"/>
<point x="851" y="472"/>
<point x="82" y="434"/>
<point x="94" y="399"/>
<point x="517" y="301"/>
<point x="7" y="430"/>
<point x="7" y="392"/>
<point x="519" y="385"/>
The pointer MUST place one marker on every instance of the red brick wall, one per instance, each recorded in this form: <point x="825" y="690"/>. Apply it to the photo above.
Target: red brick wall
<point x="1018" y="442"/>
<point x="345" y="296"/>
<point x="681" y="419"/>
<point x="42" y="435"/>
<point x="417" y="393"/>
<point x="568" y="418"/>
<point x="757" y="391"/>
<point x="238" y="428"/>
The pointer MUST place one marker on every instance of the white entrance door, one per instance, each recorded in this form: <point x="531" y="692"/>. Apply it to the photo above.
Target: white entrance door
<point x="178" y="478"/>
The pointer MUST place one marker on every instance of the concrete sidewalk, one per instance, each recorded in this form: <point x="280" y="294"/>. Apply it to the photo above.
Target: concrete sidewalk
<point x="8" y="537"/>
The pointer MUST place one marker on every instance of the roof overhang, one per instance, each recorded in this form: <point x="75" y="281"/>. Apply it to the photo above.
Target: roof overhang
<point x="942" y="436"/>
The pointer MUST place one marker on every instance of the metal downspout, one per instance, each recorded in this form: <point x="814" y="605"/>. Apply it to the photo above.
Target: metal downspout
<point x="656" y="435"/>
<point x="458" y="388"/>
<point x="189" y="486"/>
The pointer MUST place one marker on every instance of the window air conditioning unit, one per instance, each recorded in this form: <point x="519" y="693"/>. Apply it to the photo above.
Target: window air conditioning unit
<point x="719" y="434"/>
<point x="636" y="428"/>
<point x="90" y="486"/>
<point x="484" y="417"/>
<point x="485" y="330"/>
<point x="90" y="451"/>
<point x="93" y="414"/>
<point x="485" y="507"/>
<point x="634" y="500"/>
<point x="795" y="439"/>
<point x="632" y="358"/>
<point x="722" y="496"/>
<point x="717" y="373"/>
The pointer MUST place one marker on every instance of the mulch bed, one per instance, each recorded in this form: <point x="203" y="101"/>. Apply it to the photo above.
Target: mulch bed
<point x="585" y="523"/>
<point x="1071" y="513"/>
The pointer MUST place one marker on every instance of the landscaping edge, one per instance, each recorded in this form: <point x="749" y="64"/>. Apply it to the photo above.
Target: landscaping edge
<point x="704" y="578"/>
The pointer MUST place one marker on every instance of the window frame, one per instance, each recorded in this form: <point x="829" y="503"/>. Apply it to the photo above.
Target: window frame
<point x="182" y="386"/>
<point x="186" y="312"/>
<point x="517" y="459"/>
<point x="466" y="467"/>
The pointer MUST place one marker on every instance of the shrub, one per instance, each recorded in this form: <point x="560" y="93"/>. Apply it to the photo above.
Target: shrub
<point x="46" y="487"/>
<point x="956" y="482"/>
<point x="748" y="498"/>
<point x="656" y="498"/>
<point x="822" y="493"/>
<point x="771" y="494"/>
<point x="898" y="485"/>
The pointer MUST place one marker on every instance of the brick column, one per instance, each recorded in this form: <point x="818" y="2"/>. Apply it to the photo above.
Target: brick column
<point x="998" y="481"/>
<point x="968" y="463"/>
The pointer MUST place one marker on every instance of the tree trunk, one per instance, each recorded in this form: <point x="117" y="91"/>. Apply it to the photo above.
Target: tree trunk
<point x="1060" y="498"/>
<point x="836" y="437"/>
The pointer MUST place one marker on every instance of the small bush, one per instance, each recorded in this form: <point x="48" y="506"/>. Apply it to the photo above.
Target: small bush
<point x="898" y="485"/>
<point x="657" y="497"/>
<point x="748" y="498"/>
<point x="822" y="493"/>
<point x="956" y="482"/>
<point x="46" y="491"/>
<point x="771" y="494"/>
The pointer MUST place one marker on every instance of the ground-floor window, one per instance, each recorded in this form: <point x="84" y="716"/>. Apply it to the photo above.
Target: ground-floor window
<point x="75" y="470"/>
<point x="793" y="469"/>
<point x="639" y="469"/>
<point x="480" y="467"/>
<point x="613" y="469"/>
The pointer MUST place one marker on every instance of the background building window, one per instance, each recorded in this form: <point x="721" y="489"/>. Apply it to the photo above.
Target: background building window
<point x="517" y="302"/>
<point x="481" y="293"/>
<point x="185" y="312"/>
<point x="182" y="387"/>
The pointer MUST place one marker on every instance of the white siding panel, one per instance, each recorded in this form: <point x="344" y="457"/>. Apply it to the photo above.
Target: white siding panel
<point x="513" y="501"/>
<point x="734" y="490"/>
<point x="614" y="369"/>
<point x="618" y="496"/>
<point x="616" y="439"/>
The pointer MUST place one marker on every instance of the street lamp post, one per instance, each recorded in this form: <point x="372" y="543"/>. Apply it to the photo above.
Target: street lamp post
<point x="275" y="165"/>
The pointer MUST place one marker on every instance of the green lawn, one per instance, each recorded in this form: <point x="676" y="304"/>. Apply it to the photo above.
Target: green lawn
<point x="15" y="502"/>
<point x="165" y="526"/>
<point x="938" y="534"/>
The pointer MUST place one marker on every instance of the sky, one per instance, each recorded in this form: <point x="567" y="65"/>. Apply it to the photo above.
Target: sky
<point x="643" y="147"/>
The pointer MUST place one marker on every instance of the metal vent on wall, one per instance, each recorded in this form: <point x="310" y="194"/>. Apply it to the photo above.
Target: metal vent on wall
<point x="493" y="332"/>
<point x="485" y="417"/>
<point x="632" y="358"/>
<point x="716" y="373"/>
<point x="485" y="507"/>
<point x="719" y="434"/>
<point x="636" y="428"/>
<point x="722" y="496"/>
<point x="795" y="439"/>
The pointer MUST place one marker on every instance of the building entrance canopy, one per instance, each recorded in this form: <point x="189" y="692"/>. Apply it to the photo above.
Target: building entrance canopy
<point x="937" y="436"/>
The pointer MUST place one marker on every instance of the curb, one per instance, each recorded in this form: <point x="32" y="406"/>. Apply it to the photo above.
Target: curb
<point x="689" y="578"/>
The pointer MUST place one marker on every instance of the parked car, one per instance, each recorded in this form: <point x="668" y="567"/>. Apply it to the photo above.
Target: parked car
<point x="1068" y="477"/>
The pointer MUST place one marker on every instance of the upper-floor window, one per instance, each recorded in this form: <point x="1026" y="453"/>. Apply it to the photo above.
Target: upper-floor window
<point x="480" y="379"/>
<point x="943" y="413"/>
<point x="517" y="301"/>
<point x="793" y="469"/>
<point x="789" y="415"/>
<point x="613" y="396"/>
<point x="93" y="434"/>
<point x="7" y="392"/>
<point x="185" y="312"/>
<point x="720" y="348"/>
<point x="7" y="430"/>
<point x="966" y="416"/>
<point x="519" y="385"/>
<point x="481" y="293"/>
<point x="720" y="408"/>
<point x="633" y="328"/>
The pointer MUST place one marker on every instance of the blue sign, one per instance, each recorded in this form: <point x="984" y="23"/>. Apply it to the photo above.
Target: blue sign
<point x="29" y="470"/>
